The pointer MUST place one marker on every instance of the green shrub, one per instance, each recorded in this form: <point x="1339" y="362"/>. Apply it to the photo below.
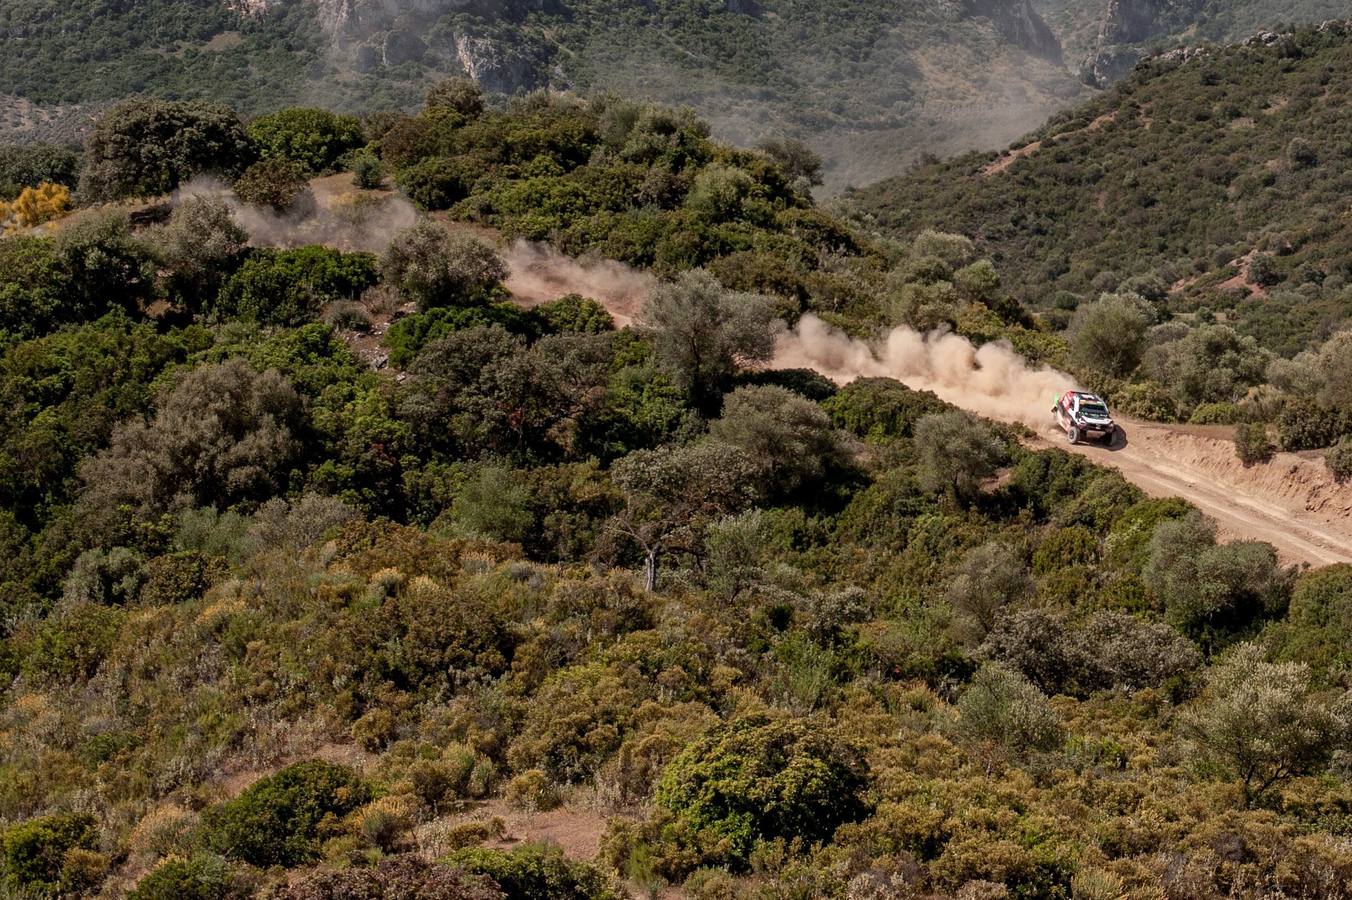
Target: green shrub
<point x="278" y="184"/>
<point x="881" y="408"/>
<point x="404" y="876"/>
<point x="407" y="336"/>
<point x="537" y="872"/>
<point x="33" y="854"/>
<point x="284" y="818"/>
<point x="1216" y="414"/>
<point x="1001" y="707"/>
<point x="1304" y="425"/>
<point x="315" y="139"/>
<point x="1339" y="460"/>
<point x="1252" y="444"/>
<point x="199" y="877"/>
<point x="757" y="779"/>
<point x="291" y="287"/>
<point x="575" y="313"/>
<point x="146" y="147"/>
<point x="439" y="182"/>
<point x="367" y="173"/>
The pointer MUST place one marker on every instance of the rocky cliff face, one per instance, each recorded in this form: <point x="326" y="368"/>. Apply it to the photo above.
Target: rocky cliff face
<point x="1018" y="23"/>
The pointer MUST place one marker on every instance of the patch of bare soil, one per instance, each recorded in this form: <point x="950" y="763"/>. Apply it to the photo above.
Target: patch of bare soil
<point x="576" y="829"/>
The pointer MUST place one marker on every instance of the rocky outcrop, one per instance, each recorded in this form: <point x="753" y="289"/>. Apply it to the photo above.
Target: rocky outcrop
<point x="1017" y="22"/>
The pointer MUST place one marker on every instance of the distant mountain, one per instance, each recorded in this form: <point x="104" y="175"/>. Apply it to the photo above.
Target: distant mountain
<point x="1220" y="176"/>
<point x="873" y="86"/>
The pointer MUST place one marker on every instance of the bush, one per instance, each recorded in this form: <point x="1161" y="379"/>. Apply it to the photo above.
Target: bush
<point x="537" y="872"/>
<point x="787" y="438"/>
<point x="401" y="877"/>
<point x="1002" y="708"/>
<point x="434" y="267"/>
<point x="200" y="877"/>
<point x="1304" y="425"/>
<point x="531" y="791"/>
<point x="33" y="854"/>
<point x="1252" y="444"/>
<point x="367" y="173"/>
<point x="314" y="139"/>
<point x="439" y="182"/>
<point x="575" y="313"/>
<point x="278" y="184"/>
<point x="881" y="408"/>
<point x="29" y="165"/>
<point x="147" y="147"/>
<point x="757" y="779"/>
<point x="284" y="818"/>
<point x="1339" y="460"/>
<point x="955" y="453"/>
<point x="291" y="287"/>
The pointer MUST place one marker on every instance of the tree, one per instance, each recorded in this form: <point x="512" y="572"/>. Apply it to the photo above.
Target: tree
<point x="197" y="249"/>
<point x="574" y="312"/>
<point x="33" y="280"/>
<point x="798" y="160"/>
<point x="1339" y="460"/>
<point x="1108" y="335"/>
<point x="106" y="265"/>
<point x="29" y="165"/>
<point x="433" y="267"/>
<point x="146" y="147"/>
<point x="1334" y="364"/>
<point x="701" y="333"/>
<point x="315" y="139"/>
<point x="224" y="434"/>
<point x="1208" y="364"/>
<point x="483" y="391"/>
<point x="1262" y="723"/>
<point x="788" y="439"/>
<point x="989" y="578"/>
<point x="1212" y="592"/>
<point x="954" y="453"/>
<point x="461" y="95"/>
<point x="672" y="494"/>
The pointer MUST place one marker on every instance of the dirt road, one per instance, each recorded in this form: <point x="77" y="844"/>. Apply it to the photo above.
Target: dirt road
<point x="1291" y="502"/>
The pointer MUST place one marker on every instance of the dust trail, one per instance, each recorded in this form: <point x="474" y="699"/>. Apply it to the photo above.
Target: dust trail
<point x="991" y="380"/>
<point x="343" y="219"/>
<point x="539" y="273"/>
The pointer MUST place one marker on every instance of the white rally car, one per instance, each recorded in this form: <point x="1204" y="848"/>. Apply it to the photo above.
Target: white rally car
<point x="1083" y="416"/>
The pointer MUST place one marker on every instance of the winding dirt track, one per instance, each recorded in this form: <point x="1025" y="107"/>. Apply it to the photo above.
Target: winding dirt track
<point x="1291" y="502"/>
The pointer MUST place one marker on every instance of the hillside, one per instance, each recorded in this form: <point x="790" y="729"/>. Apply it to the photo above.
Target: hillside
<point x="349" y="547"/>
<point x="1105" y="41"/>
<point x="1216" y="176"/>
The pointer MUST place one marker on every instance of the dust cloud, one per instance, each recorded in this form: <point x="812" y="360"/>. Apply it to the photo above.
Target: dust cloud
<point x="539" y="273"/>
<point x="330" y="216"/>
<point x="991" y="380"/>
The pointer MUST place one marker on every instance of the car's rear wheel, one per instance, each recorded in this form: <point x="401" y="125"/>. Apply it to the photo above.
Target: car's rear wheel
<point x="1073" y="435"/>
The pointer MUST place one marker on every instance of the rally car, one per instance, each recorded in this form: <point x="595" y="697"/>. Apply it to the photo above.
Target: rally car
<point x="1083" y="416"/>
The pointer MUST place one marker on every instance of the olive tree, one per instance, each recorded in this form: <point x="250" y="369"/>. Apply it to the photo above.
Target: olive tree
<point x="954" y="453"/>
<point x="1108" y="335"/>
<point x="990" y="577"/>
<point x="225" y="433"/>
<point x="1263" y="723"/>
<point x="435" y="267"/>
<point x="199" y="245"/>
<point x="788" y="439"/>
<point x="701" y="333"/>
<point x="673" y="494"/>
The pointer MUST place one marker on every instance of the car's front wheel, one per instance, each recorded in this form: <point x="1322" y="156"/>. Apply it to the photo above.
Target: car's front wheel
<point x="1073" y="435"/>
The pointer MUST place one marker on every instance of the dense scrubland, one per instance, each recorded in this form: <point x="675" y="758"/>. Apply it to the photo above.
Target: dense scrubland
<point x="1183" y="230"/>
<point x="280" y="623"/>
